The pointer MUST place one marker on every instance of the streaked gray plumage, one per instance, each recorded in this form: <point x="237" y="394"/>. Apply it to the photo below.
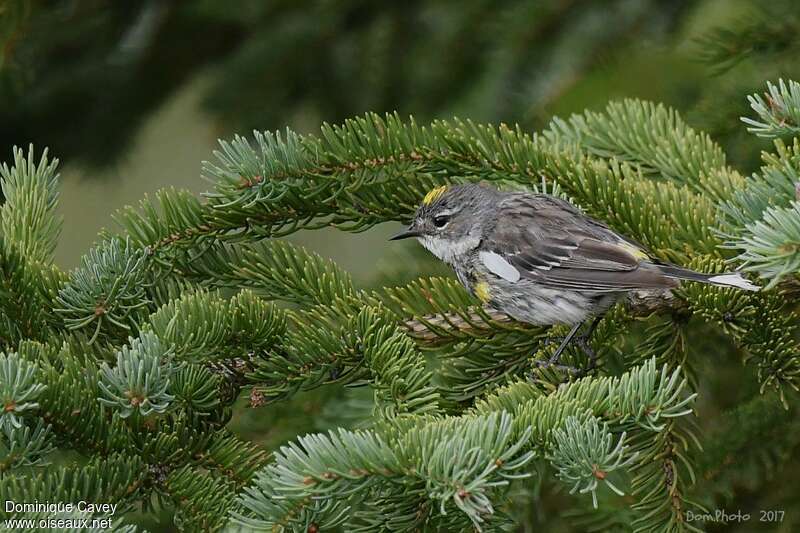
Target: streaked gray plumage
<point x="538" y="258"/>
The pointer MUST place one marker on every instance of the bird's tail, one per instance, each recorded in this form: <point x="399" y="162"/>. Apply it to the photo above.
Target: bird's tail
<point x="728" y="279"/>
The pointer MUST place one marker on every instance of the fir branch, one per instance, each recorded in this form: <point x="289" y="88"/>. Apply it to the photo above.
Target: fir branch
<point x="202" y="501"/>
<point x="474" y="367"/>
<point x="260" y="508"/>
<point x="643" y="402"/>
<point x="70" y="405"/>
<point x="643" y="396"/>
<point x="658" y="482"/>
<point x="329" y="467"/>
<point x="757" y="322"/>
<point x="453" y="148"/>
<point x="325" y="346"/>
<point x="140" y="380"/>
<point x="116" y="478"/>
<point x="584" y="455"/>
<point x="399" y="376"/>
<point x="106" y="293"/>
<point x="167" y="441"/>
<point x="202" y="326"/>
<point x="196" y="390"/>
<point x="651" y="136"/>
<point x="172" y="217"/>
<point x="351" y="179"/>
<point x="336" y="465"/>
<point x="779" y="110"/>
<point x="27" y="288"/>
<point x="25" y="446"/>
<point x="27" y="218"/>
<point x="277" y="270"/>
<point x="19" y="389"/>
<point x="760" y="220"/>
<point x="666" y="340"/>
<point x="771" y="245"/>
<point x="770" y="30"/>
<point x="237" y="459"/>
<point x="773" y="186"/>
<point x="313" y="352"/>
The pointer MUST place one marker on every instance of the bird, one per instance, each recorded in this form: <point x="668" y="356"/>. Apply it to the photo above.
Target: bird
<point x="539" y="259"/>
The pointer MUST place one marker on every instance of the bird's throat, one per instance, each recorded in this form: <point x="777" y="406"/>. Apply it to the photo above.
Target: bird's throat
<point x="449" y="250"/>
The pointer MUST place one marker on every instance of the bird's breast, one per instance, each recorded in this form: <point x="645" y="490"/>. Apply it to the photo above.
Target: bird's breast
<point x="473" y="279"/>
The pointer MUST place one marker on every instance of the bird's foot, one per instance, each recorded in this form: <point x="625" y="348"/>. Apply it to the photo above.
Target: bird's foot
<point x="577" y="339"/>
<point x="582" y="341"/>
<point x="553" y="363"/>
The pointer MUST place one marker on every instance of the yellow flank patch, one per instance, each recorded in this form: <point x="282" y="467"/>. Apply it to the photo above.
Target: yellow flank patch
<point x="433" y="194"/>
<point x="482" y="291"/>
<point x="635" y="251"/>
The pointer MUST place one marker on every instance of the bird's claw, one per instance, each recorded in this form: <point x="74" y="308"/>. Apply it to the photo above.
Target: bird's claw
<point x="577" y="339"/>
<point x="551" y="363"/>
<point x="581" y="341"/>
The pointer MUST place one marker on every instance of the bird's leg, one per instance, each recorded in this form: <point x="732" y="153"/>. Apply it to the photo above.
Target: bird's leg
<point x="554" y="359"/>
<point x="592" y="327"/>
<point x="583" y="342"/>
<point x="580" y="340"/>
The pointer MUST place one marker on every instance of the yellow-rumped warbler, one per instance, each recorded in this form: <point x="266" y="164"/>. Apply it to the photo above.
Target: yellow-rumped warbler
<point x="539" y="259"/>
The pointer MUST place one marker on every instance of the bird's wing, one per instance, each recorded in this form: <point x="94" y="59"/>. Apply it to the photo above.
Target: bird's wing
<point x="548" y="240"/>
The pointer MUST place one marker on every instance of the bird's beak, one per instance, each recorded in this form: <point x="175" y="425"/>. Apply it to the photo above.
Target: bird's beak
<point x="409" y="232"/>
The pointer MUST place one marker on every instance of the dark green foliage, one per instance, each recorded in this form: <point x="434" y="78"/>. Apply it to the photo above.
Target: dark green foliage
<point x="101" y="64"/>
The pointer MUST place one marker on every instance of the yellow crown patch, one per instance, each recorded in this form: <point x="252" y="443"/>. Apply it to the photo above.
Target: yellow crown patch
<point x="433" y="194"/>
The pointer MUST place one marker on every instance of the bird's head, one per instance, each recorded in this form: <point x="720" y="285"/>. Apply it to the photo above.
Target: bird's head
<point x="448" y="222"/>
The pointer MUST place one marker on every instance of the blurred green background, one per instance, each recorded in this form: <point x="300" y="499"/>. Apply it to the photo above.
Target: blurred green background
<point x="132" y="96"/>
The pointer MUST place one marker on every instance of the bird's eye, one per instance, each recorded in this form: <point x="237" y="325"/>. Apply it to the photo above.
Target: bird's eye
<point x="441" y="221"/>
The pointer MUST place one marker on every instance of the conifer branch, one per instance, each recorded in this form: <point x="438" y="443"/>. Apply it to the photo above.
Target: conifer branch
<point x="28" y="218"/>
<point x="584" y="455"/>
<point x="765" y="33"/>
<point x="202" y="326"/>
<point x="650" y="136"/>
<point x="138" y="383"/>
<point x="759" y="323"/>
<point x="334" y="466"/>
<point x="29" y="229"/>
<point x="70" y="405"/>
<point x="760" y="221"/>
<point x="113" y="479"/>
<point x="201" y="499"/>
<point x="19" y="389"/>
<point x="25" y="446"/>
<point x="779" y="110"/>
<point x="106" y="294"/>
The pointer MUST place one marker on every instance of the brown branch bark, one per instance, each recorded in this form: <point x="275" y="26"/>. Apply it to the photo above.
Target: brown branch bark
<point x="640" y="303"/>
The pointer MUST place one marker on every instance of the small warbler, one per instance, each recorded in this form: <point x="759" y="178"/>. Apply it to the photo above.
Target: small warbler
<point x="539" y="259"/>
